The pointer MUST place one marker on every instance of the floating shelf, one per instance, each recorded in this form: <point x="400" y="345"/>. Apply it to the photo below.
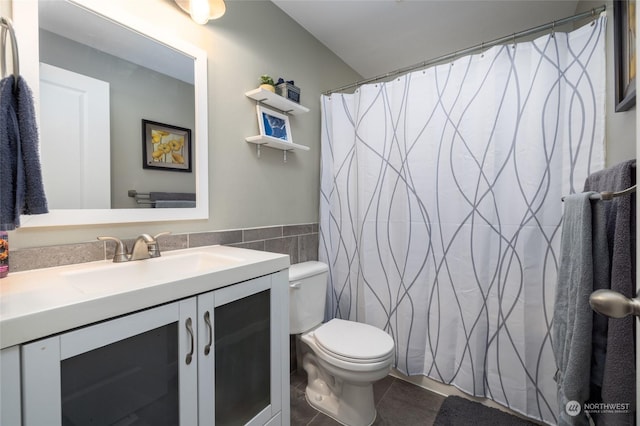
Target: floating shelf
<point x="276" y="101"/>
<point x="283" y="104"/>
<point x="275" y="143"/>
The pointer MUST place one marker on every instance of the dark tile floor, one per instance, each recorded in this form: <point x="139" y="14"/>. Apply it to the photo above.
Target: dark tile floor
<point x="398" y="403"/>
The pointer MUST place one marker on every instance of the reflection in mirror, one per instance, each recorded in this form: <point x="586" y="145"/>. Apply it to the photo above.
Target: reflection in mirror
<point x="122" y="69"/>
<point x="98" y="81"/>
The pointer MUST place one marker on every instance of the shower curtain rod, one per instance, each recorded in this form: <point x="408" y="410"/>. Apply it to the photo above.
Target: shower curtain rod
<point x="482" y="46"/>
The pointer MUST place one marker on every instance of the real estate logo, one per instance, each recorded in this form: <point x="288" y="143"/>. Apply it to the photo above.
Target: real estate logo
<point x="607" y="407"/>
<point x="572" y="408"/>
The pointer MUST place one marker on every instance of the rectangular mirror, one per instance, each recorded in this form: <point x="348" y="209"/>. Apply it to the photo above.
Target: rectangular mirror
<point x="102" y="74"/>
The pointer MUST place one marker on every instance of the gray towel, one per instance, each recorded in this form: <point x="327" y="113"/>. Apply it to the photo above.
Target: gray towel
<point x="187" y="196"/>
<point x="21" y="189"/>
<point x="572" y="316"/>
<point x="618" y="383"/>
<point x="165" y="204"/>
<point x="601" y="280"/>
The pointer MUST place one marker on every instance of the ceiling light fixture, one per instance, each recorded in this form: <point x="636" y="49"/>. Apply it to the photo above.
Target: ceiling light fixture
<point x="202" y="11"/>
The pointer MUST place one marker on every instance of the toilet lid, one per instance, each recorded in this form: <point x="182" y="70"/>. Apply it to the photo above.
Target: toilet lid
<point x="354" y="340"/>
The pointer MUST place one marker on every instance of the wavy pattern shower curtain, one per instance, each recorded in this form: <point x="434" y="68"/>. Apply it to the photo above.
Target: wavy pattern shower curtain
<point x="441" y="208"/>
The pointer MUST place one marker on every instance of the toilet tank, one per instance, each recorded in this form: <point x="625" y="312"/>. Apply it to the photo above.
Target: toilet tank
<point x="307" y="295"/>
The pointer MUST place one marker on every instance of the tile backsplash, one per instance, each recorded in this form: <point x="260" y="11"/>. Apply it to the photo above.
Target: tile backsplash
<point x="300" y="242"/>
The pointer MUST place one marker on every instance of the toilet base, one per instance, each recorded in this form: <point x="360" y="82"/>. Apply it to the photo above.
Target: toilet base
<point x="330" y="408"/>
<point x="347" y="403"/>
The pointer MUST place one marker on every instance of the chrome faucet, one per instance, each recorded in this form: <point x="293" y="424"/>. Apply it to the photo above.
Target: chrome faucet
<point x="144" y="247"/>
<point x="140" y="249"/>
<point x="121" y="250"/>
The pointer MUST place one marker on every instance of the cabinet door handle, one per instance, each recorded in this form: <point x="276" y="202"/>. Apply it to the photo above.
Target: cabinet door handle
<point x="207" y="320"/>
<point x="190" y="331"/>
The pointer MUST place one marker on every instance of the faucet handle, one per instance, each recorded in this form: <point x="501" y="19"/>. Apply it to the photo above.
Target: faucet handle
<point x="154" y="248"/>
<point x="121" y="251"/>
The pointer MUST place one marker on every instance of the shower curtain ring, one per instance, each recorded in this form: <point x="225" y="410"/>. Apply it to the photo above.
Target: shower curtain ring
<point x="553" y="29"/>
<point x="514" y="41"/>
<point x="482" y="50"/>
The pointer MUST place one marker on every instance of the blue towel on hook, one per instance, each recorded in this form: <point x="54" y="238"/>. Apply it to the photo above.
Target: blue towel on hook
<point x="21" y="188"/>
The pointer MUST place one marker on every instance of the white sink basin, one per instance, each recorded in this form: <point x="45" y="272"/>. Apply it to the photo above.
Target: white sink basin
<point x="167" y="268"/>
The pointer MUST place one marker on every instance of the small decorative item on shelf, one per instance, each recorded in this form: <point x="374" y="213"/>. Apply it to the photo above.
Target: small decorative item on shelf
<point x="288" y="90"/>
<point x="267" y="83"/>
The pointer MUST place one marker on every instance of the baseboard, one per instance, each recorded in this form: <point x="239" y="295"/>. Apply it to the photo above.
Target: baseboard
<point x="448" y="390"/>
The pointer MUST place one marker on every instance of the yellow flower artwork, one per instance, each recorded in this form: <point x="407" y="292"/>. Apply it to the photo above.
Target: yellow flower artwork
<point x="165" y="147"/>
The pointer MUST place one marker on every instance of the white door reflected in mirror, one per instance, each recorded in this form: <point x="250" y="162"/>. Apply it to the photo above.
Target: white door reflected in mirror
<point x="74" y="139"/>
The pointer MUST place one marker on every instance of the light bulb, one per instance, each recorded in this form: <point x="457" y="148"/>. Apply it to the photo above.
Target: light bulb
<point x="200" y="11"/>
<point x="217" y="8"/>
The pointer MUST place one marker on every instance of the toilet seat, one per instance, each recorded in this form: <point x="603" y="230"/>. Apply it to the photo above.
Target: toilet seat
<point x="353" y="342"/>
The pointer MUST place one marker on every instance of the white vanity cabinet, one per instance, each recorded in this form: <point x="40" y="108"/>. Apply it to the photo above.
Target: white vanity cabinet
<point x="137" y="368"/>
<point x="214" y="358"/>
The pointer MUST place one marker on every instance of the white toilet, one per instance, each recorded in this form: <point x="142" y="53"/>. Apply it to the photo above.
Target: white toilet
<point x="342" y="358"/>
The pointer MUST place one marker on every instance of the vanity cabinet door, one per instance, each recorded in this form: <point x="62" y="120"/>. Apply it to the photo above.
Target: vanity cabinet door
<point x="240" y="354"/>
<point x="136" y="369"/>
<point x="10" y="386"/>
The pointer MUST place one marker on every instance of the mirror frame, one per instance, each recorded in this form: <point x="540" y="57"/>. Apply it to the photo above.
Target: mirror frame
<point x="26" y="23"/>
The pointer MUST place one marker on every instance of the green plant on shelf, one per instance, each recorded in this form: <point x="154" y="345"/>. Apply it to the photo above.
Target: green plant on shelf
<point x="267" y="83"/>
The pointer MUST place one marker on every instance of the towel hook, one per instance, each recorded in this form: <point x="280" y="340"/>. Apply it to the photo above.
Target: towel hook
<point x="7" y="26"/>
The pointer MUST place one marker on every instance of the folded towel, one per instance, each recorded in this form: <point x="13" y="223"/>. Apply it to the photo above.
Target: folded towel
<point x="618" y="381"/>
<point x="572" y="315"/>
<point x="21" y="188"/>
<point x="189" y="196"/>
<point x="164" y="204"/>
<point x="601" y="280"/>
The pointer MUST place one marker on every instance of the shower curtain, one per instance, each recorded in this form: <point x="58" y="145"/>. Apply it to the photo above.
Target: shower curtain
<point x="440" y="209"/>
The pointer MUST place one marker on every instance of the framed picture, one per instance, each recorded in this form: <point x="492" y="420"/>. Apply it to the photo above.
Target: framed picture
<point x="624" y="40"/>
<point x="165" y="147"/>
<point x="274" y="124"/>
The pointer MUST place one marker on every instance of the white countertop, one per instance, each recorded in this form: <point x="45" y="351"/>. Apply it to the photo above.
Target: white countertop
<point x="42" y="302"/>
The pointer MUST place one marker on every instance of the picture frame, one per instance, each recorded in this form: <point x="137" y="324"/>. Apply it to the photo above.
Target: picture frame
<point x="165" y="147"/>
<point x="624" y="41"/>
<point x="274" y="124"/>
